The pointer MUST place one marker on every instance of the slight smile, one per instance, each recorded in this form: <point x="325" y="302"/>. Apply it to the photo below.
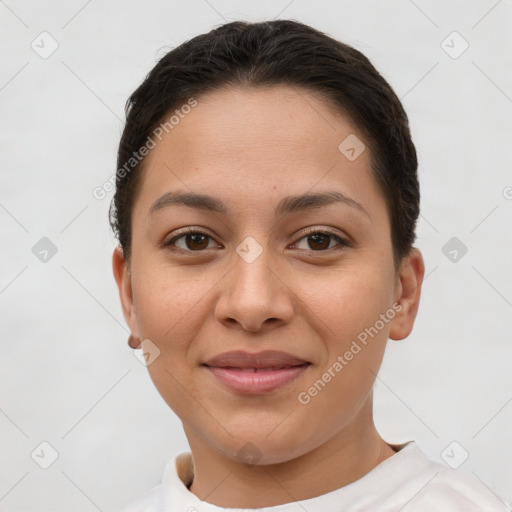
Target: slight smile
<point x="256" y="373"/>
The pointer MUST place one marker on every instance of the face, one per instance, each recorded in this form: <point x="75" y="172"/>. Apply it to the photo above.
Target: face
<point x="261" y="270"/>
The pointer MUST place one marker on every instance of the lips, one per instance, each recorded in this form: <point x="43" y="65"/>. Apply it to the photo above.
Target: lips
<point x="260" y="361"/>
<point x="258" y="373"/>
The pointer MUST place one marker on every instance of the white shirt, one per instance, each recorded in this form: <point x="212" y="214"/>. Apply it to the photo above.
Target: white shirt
<point x="407" y="481"/>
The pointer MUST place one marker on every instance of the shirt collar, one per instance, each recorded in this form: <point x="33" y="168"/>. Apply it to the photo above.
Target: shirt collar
<point x="179" y="473"/>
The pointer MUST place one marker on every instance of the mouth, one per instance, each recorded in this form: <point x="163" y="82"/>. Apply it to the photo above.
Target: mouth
<point x="258" y="370"/>
<point x="255" y="373"/>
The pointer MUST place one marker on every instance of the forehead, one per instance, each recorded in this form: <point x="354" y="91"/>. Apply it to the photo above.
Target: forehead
<point x="256" y="144"/>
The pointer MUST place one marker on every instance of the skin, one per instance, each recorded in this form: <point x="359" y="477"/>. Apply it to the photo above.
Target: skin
<point x="250" y="148"/>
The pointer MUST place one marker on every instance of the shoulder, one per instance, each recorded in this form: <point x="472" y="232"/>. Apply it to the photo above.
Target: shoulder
<point x="436" y="487"/>
<point x="449" y="490"/>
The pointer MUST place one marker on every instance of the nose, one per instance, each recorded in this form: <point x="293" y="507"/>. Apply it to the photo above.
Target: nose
<point x="254" y="297"/>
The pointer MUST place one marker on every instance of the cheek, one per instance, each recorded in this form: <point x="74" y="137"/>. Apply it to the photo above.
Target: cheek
<point x="170" y="312"/>
<point x="168" y="302"/>
<point x="348" y="312"/>
<point x="346" y="301"/>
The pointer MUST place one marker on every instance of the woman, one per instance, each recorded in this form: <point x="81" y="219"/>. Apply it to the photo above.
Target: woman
<point x="266" y="203"/>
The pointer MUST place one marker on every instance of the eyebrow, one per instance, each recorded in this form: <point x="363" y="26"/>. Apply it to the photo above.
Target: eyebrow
<point x="286" y="206"/>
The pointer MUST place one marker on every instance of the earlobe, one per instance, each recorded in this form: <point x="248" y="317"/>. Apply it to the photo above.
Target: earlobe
<point x="409" y="291"/>
<point x="134" y="342"/>
<point x="122" y="276"/>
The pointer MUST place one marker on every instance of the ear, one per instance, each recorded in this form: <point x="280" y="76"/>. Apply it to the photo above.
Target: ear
<point x="408" y="294"/>
<point x="122" y="275"/>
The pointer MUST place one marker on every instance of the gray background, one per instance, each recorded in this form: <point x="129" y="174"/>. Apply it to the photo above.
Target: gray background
<point x="67" y="375"/>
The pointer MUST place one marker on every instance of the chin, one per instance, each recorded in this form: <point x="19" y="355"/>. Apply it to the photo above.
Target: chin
<point x="279" y="449"/>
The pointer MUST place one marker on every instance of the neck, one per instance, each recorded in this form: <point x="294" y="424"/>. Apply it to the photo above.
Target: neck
<point x="344" y="458"/>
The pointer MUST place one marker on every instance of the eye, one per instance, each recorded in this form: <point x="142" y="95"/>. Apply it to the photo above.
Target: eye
<point x="193" y="241"/>
<point x="321" y="241"/>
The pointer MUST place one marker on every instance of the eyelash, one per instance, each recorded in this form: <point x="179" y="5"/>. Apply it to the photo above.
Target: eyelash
<point x="343" y="244"/>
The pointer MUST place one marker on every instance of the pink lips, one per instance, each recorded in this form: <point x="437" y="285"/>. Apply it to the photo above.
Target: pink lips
<point x="256" y="373"/>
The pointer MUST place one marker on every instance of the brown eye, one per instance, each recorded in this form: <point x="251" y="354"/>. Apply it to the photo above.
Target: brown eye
<point x="193" y="241"/>
<point x="321" y="241"/>
<point x="196" y="241"/>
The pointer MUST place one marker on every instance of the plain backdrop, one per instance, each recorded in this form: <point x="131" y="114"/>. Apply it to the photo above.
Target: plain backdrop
<point x="68" y="378"/>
